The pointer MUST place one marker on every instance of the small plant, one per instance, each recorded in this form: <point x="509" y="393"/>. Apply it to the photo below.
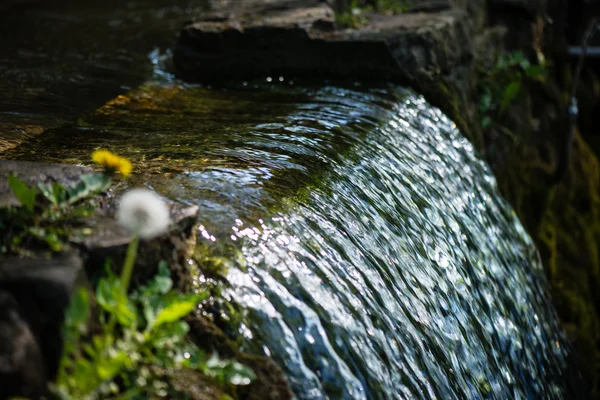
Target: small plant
<point x="355" y="14"/>
<point x="502" y="85"/>
<point x="393" y="6"/>
<point x="49" y="212"/>
<point x="117" y="344"/>
<point x="141" y="342"/>
<point x="352" y="17"/>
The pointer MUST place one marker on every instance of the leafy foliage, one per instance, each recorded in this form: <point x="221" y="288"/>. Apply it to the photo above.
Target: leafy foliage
<point x="141" y="343"/>
<point x="393" y="6"/>
<point x="47" y="212"/>
<point x="502" y="85"/>
<point x="355" y="13"/>
<point x="352" y="17"/>
<point x="24" y="193"/>
<point x="116" y="345"/>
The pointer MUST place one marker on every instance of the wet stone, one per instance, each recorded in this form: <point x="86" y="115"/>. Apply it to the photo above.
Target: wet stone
<point x="33" y="295"/>
<point x="283" y="37"/>
<point x="33" y="173"/>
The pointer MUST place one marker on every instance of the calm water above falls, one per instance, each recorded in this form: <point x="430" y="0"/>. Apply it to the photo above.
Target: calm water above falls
<point x="379" y="261"/>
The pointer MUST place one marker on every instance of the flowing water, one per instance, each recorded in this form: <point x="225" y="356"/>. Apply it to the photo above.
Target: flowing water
<point x="367" y="242"/>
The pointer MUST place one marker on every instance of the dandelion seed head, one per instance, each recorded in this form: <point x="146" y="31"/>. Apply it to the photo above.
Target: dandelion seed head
<point x="142" y="212"/>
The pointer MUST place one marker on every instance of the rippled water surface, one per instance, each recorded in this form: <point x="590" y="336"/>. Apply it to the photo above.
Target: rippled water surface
<point x="403" y="276"/>
<point x="372" y="251"/>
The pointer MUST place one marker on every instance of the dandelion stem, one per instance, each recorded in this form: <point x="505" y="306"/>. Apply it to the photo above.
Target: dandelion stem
<point x="126" y="275"/>
<point x="129" y="262"/>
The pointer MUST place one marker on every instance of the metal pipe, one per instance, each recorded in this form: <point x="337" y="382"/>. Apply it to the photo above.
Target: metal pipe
<point x="591" y="51"/>
<point x="573" y="111"/>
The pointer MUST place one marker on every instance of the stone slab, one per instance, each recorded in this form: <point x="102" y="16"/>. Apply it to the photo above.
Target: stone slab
<point x="292" y="38"/>
<point x="32" y="173"/>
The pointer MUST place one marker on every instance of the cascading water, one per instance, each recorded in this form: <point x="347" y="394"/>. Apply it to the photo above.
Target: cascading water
<point x="377" y="259"/>
<point x="403" y="275"/>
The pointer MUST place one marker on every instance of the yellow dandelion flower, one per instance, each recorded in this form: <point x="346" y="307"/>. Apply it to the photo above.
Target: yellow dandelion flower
<point x="112" y="162"/>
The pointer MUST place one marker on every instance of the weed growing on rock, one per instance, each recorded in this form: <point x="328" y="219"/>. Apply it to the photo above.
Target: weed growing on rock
<point x="140" y="345"/>
<point x="355" y="13"/>
<point x="48" y="212"/>
<point x="352" y="17"/>
<point x="393" y="6"/>
<point x="501" y="86"/>
<point x="118" y="344"/>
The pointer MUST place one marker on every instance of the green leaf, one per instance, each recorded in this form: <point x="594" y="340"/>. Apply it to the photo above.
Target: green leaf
<point x="162" y="283"/>
<point x="510" y="94"/>
<point x="111" y="364"/>
<point x="54" y="242"/>
<point x="108" y="292"/>
<point x="232" y="371"/>
<point x="96" y="182"/>
<point x="152" y="295"/>
<point x="535" y="71"/>
<point x="170" y="334"/>
<point x="89" y="185"/>
<point x="46" y="190"/>
<point x="55" y="193"/>
<point x="524" y="64"/>
<point x="485" y="101"/>
<point x="37" y="232"/>
<point x="78" y="313"/>
<point x="24" y="193"/>
<point x="177" y="309"/>
<point x="112" y="299"/>
<point x="486" y="121"/>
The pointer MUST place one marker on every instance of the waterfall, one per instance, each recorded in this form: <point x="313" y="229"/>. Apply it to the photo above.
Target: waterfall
<point x="402" y="273"/>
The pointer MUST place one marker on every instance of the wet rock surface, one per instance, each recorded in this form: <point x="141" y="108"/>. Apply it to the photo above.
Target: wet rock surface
<point x="33" y="294"/>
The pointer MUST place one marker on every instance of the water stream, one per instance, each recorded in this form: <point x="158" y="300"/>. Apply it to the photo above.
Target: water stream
<point x="369" y="245"/>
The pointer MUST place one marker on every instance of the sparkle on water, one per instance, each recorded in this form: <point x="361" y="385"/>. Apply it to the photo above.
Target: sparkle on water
<point x="403" y="276"/>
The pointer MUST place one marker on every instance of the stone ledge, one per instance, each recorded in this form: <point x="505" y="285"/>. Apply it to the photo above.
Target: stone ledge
<point x="286" y="38"/>
<point x="32" y="173"/>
